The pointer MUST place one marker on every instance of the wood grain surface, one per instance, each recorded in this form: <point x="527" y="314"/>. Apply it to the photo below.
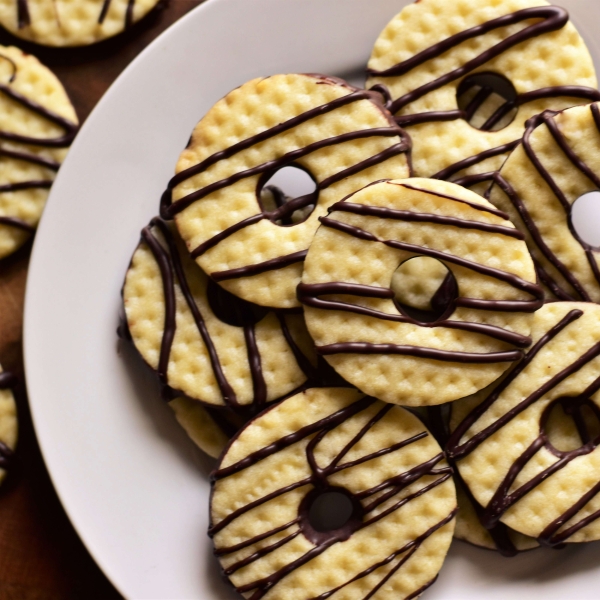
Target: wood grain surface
<point x="41" y="556"/>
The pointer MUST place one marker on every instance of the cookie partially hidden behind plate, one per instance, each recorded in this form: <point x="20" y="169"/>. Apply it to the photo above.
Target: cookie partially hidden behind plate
<point x="8" y="422"/>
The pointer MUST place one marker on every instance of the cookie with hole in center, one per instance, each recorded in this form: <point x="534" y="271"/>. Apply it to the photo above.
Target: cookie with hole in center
<point x="206" y="345"/>
<point x="8" y="422"/>
<point x="342" y="137"/>
<point x="528" y="448"/>
<point x="332" y="493"/>
<point x="465" y="76"/>
<point x="63" y="23"/>
<point x="37" y="125"/>
<point x="540" y="185"/>
<point x="483" y="314"/>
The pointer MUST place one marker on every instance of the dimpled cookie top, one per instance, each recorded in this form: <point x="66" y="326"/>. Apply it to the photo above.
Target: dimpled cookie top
<point x="37" y="125"/>
<point x="557" y="162"/>
<point x="398" y="489"/>
<point x="427" y="53"/>
<point x="341" y="136"/>
<point x="240" y="360"/>
<point x="8" y="422"/>
<point x="70" y="22"/>
<point x="372" y="341"/>
<point x="517" y="457"/>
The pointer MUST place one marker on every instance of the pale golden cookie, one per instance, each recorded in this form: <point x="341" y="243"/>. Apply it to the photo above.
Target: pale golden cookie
<point x="37" y="125"/>
<point x="8" y="422"/>
<point x="523" y="460"/>
<point x="203" y="342"/>
<point x="373" y="341"/>
<point x="395" y="501"/>
<point x="340" y="135"/>
<point x="71" y="22"/>
<point x="557" y="162"/>
<point x="433" y="60"/>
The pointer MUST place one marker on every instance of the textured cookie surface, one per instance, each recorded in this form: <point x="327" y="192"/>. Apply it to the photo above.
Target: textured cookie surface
<point x="426" y="59"/>
<point x="8" y="423"/>
<point x="380" y="457"/>
<point x="173" y="315"/>
<point x="515" y="448"/>
<point x="70" y="22"/>
<point x="37" y="124"/>
<point x="557" y="162"/>
<point x="372" y="341"/>
<point x="341" y="136"/>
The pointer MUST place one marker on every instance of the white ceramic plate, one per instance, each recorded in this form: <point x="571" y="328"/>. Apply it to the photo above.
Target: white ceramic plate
<point x="132" y="484"/>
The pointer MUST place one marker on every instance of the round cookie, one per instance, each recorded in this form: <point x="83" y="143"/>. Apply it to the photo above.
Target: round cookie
<point x="340" y="135"/>
<point x="8" y="422"/>
<point x="37" y="125"/>
<point x="373" y="341"/>
<point x="434" y="51"/>
<point x="557" y="162"/>
<point x="205" y="343"/>
<point x="522" y="459"/>
<point x="71" y="23"/>
<point x="399" y="504"/>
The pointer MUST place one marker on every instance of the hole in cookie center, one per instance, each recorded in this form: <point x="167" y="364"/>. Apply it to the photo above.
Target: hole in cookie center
<point x="330" y="511"/>
<point x="585" y="217"/>
<point x="232" y="310"/>
<point x="424" y="289"/>
<point x="289" y="195"/>
<point x="489" y="101"/>
<point x="570" y="423"/>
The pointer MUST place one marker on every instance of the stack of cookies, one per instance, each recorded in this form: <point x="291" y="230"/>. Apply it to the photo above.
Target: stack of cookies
<point x="411" y="349"/>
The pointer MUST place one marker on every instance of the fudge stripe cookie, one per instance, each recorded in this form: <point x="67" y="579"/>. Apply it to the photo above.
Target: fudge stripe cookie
<point x="398" y="491"/>
<point x="8" y="422"/>
<point x="439" y="78"/>
<point x="341" y="136"/>
<point x="203" y="342"/>
<point x="541" y="486"/>
<point x="37" y="125"/>
<point x="60" y="23"/>
<point x="351" y="310"/>
<point x="555" y="164"/>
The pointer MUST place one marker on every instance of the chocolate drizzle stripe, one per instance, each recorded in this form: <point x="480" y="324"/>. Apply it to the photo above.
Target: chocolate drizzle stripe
<point x="303" y="362"/>
<point x="481" y="207"/>
<point x="30" y="158"/>
<point x="23" y="16"/>
<point x="455" y="449"/>
<point x="8" y="380"/>
<point x="510" y="278"/>
<point x="503" y="305"/>
<point x="223" y="550"/>
<point x="420" y="352"/>
<point x="263" y="267"/>
<point x="18" y="223"/>
<point x="554" y="18"/>
<point x="229" y="397"/>
<point x="104" y="11"/>
<point x="410" y="216"/>
<point x="446" y="173"/>
<point x="310" y="297"/>
<point x="258" y="380"/>
<point x="430" y="117"/>
<point x="330" y="421"/>
<point x="60" y="142"/>
<point x="26" y="185"/>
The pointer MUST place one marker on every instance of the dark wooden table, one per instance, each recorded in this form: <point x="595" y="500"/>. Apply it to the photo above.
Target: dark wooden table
<point x="41" y="556"/>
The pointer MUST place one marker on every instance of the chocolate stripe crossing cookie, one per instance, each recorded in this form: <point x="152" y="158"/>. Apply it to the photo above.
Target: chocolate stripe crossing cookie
<point x="75" y="23"/>
<point x="557" y="163"/>
<point x="465" y="76"/>
<point x="8" y="422"/>
<point x="331" y="493"/>
<point x="514" y="447"/>
<point x="206" y="344"/>
<point x="37" y="125"/>
<point x="483" y="314"/>
<point x="341" y="136"/>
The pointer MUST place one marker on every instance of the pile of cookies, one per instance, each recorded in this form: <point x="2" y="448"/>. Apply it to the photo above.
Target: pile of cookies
<point x="421" y="327"/>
